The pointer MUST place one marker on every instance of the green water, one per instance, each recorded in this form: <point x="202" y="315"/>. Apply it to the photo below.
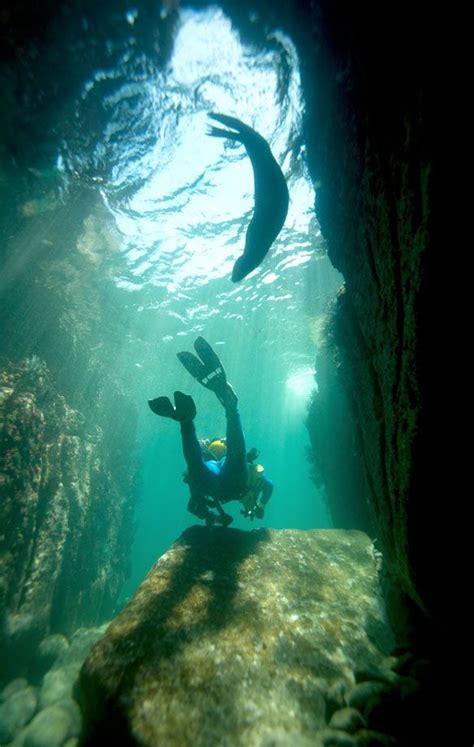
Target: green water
<point x="136" y="218"/>
<point x="273" y="375"/>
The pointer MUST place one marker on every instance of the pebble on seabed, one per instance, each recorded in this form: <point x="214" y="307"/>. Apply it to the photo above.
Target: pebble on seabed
<point x="16" y="711"/>
<point x="51" y="727"/>
<point x="347" y="719"/>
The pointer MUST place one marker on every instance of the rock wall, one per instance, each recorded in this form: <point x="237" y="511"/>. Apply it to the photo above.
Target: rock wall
<point x="65" y="516"/>
<point x="369" y="74"/>
<point x="371" y="110"/>
<point x="371" y="148"/>
<point x="336" y="451"/>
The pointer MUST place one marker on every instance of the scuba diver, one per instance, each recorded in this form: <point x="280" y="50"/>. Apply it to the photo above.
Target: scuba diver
<point x="254" y="500"/>
<point x="218" y="471"/>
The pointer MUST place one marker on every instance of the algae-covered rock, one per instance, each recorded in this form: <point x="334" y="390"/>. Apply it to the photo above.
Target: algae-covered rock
<point x="237" y="634"/>
<point x="347" y="719"/>
<point x="48" y="652"/>
<point x="52" y="726"/>
<point x="14" y="686"/>
<point x="57" y="684"/>
<point x="16" y="711"/>
<point x="61" y="506"/>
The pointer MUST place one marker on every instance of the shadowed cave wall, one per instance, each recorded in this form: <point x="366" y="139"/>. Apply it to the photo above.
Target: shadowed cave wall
<point x="370" y="76"/>
<point x="368" y="73"/>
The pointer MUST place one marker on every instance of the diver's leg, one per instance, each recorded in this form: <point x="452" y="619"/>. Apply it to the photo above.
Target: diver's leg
<point x="234" y="473"/>
<point x="198" y="472"/>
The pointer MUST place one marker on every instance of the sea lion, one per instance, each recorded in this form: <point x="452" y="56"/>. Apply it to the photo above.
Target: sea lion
<point x="271" y="194"/>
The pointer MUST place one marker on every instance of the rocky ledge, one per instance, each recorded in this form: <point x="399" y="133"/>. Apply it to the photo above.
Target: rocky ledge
<point x="270" y="637"/>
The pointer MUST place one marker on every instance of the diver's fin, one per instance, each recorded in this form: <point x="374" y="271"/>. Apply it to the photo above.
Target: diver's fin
<point x="208" y="356"/>
<point x="210" y="372"/>
<point x="185" y="408"/>
<point x="162" y="406"/>
<point x="192" y="365"/>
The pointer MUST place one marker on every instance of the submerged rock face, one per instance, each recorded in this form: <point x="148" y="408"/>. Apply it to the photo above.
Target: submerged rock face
<point x="370" y="125"/>
<point x="63" y="549"/>
<point x="238" y="638"/>
<point x="336" y="440"/>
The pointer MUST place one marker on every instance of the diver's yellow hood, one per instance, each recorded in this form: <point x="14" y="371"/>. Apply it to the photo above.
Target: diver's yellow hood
<point x="217" y="448"/>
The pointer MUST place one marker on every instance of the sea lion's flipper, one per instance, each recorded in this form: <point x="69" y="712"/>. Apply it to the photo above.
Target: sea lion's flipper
<point x="233" y="122"/>
<point x="228" y="134"/>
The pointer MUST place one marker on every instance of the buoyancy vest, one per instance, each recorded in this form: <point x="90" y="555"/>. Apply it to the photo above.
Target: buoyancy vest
<point x="253" y="486"/>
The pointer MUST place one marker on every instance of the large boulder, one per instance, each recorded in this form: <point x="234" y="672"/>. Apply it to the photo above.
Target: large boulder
<point x="238" y="638"/>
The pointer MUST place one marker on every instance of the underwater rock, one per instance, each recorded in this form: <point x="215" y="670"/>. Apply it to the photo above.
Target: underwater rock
<point x="337" y="738"/>
<point x="363" y="692"/>
<point x="347" y="719"/>
<point x="58" y="684"/>
<point x="16" y="711"/>
<point x="62" y="558"/>
<point x="40" y="205"/>
<point x="336" y="696"/>
<point x="370" y="738"/>
<point x="335" y="440"/>
<point x="236" y="634"/>
<point x="14" y="686"/>
<point x="49" y="650"/>
<point x="98" y="239"/>
<point x="52" y="726"/>
<point x="81" y="643"/>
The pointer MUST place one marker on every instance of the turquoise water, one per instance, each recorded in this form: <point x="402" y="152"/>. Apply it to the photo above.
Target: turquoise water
<point x="273" y="386"/>
<point x="180" y="232"/>
<point x="171" y="209"/>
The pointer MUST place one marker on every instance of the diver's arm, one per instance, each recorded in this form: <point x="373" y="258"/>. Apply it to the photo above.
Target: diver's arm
<point x="266" y="489"/>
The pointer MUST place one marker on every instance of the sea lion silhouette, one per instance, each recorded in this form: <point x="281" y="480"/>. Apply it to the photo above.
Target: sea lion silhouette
<point x="271" y="194"/>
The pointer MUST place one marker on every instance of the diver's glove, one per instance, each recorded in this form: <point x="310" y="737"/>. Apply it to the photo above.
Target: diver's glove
<point x="259" y="510"/>
<point x="256" y="512"/>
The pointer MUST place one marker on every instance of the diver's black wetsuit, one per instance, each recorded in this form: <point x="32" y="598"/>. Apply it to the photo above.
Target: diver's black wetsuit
<point x="226" y="479"/>
<point x="211" y="483"/>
